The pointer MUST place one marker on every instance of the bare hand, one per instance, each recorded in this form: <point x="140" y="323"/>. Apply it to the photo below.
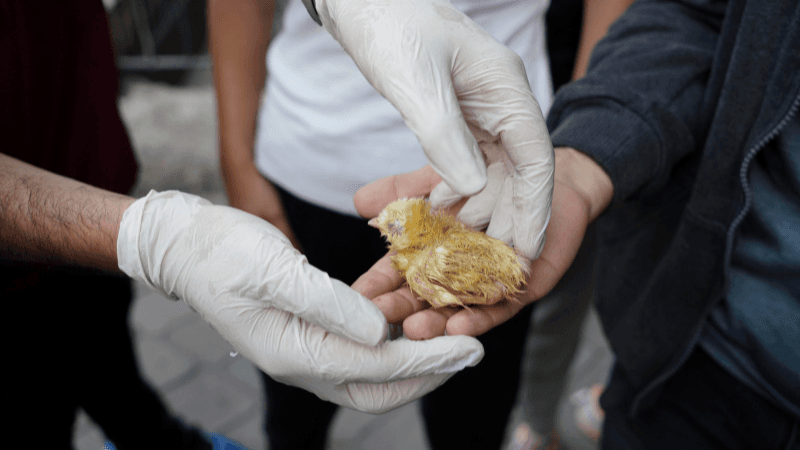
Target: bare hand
<point x="581" y="191"/>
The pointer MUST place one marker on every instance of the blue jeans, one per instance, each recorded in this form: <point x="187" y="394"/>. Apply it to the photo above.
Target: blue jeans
<point x="702" y="407"/>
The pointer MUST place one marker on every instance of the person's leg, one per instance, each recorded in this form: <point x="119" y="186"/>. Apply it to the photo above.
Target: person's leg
<point x="295" y="418"/>
<point x="553" y="339"/>
<point x="112" y="391"/>
<point x="471" y="409"/>
<point x="344" y="247"/>
<point x="38" y="398"/>
<point x="73" y="323"/>
<point x="701" y="406"/>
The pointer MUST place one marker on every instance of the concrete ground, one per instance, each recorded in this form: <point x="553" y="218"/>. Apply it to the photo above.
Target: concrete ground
<point x="200" y="378"/>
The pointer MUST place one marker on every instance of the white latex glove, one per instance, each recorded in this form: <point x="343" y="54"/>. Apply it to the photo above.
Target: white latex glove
<point x="466" y="97"/>
<point x="292" y="320"/>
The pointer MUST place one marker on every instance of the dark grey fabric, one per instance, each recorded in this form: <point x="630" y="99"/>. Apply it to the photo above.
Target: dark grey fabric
<point x="679" y="94"/>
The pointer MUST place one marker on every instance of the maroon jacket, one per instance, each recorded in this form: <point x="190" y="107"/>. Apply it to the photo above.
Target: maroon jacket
<point x="58" y="92"/>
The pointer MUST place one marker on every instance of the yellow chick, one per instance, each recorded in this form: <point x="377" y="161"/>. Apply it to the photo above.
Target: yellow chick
<point x="445" y="262"/>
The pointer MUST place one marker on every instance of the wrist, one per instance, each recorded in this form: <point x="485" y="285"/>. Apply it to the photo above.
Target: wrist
<point x="236" y="159"/>
<point x="580" y="172"/>
<point x="149" y="232"/>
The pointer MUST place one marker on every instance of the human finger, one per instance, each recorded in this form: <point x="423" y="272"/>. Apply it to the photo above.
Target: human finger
<point x="443" y="196"/>
<point x="397" y="305"/>
<point x="503" y="221"/>
<point x="313" y="295"/>
<point x="481" y="319"/>
<point x="532" y="156"/>
<point x="429" y="323"/>
<point x="332" y="358"/>
<point x="379" y="398"/>
<point x="477" y="211"/>
<point x="372" y="198"/>
<point x="381" y="278"/>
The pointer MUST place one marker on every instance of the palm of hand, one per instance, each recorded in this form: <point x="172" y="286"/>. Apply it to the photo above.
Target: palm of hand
<point x="568" y="222"/>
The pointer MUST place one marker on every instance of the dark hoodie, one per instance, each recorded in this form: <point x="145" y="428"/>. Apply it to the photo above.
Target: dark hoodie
<point x="680" y="96"/>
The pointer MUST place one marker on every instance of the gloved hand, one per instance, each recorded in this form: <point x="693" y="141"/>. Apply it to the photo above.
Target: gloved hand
<point x="292" y="320"/>
<point x="466" y="97"/>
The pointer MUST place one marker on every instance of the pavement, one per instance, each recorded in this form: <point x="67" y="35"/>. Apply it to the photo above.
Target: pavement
<point x="197" y="373"/>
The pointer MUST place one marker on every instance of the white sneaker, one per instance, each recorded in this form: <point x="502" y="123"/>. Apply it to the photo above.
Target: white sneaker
<point x="588" y="414"/>
<point x="525" y="438"/>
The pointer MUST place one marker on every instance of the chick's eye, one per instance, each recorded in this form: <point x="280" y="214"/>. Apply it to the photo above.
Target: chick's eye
<point x="395" y="227"/>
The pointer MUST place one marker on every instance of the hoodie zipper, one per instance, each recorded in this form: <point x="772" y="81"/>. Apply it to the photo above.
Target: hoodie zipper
<point x="728" y="249"/>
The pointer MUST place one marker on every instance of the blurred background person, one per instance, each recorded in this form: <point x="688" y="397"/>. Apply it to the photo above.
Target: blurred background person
<point x="63" y="238"/>
<point x="59" y="109"/>
<point x="323" y="132"/>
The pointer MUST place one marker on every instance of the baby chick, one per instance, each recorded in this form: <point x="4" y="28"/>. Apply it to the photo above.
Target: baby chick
<point x="445" y="262"/>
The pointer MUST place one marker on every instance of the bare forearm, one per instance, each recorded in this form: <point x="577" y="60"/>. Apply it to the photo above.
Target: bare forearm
<point x="598" y="15"/>
<point x="239" y="32"/>
<point x="49" y="218"/>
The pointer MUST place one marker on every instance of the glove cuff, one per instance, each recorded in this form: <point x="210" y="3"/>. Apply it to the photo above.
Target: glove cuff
<point x="128" y="258"/>
<point x="143" y="238"/>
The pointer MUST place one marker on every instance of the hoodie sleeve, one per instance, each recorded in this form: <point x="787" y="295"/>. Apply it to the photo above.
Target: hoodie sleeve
<point x="640" y="108"/>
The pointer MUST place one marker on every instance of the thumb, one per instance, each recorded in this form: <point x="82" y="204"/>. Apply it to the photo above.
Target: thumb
<point x="442" y="355"/>
<point x="401" y="359"/>
<point x="384" y="397"/>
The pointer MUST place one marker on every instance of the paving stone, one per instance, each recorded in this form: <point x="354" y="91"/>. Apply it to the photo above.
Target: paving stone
<point x="401" y="429"/>
<point x="248" y="429"/>
<point x="202" y="341"/>
<point x="174" y="133"/>
<point x="82" y="423"/>
<point x="90" y="441"/>
<point x="212" y="401"/>
<point x="86" y="434"/>
<point x="161" y="363"/>
<point x="154" y="313"/>
<point x="250" y="432"/>
<point x="246" y="372"/>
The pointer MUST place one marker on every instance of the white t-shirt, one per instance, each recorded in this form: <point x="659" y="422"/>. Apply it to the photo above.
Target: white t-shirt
<point x="323" y="130"/>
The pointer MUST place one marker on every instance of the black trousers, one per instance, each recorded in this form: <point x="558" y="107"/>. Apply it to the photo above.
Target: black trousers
<point x="67" y="345"/>
<point x="469" y="411"/>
